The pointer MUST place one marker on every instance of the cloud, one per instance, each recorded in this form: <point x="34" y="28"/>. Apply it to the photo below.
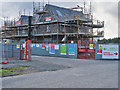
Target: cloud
<point x="13" y="8"/>
<point x="108" y="12"/>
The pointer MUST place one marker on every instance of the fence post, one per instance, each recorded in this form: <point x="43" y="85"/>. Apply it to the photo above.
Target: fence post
<point x="28" y="50"/>
<point x="3" y="50"/>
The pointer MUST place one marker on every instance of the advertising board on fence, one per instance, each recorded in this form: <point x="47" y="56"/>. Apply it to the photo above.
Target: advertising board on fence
<point x="71" y="49"/>
<point x="56" y="47"/>
<point x="47" y="46"/>
<point x="90" y="46"/>
<point x="52" y="48"/>
<point x="99" y="51"/>
<point x="110" y="51"/>
<point x="18" y="46"/>
<point x="100" y="46"/>
<point x="33" y="45"/>
<point x="43" y="46"/>
<point x="37" y="45"/>
<point x="63" y="49"/>
<point x="24" y="45"/>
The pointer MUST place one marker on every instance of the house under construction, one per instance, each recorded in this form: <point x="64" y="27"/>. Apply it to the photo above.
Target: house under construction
<point x="53" y="24"/>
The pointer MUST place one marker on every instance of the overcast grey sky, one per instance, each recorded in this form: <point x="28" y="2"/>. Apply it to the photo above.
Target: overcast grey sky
<point x="103" y="11"/>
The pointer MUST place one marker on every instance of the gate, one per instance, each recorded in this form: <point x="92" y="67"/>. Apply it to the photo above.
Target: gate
<point x="13" y="51"/>
<point x="17" y="51"/>
<point x="85" y="50"/>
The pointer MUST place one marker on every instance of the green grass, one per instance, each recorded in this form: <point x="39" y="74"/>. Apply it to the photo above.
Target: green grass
<point x="16" y="68"/>
<point x="7" y="72"/>
<point x="11" y="70"/>
<point x="1" y="71"/>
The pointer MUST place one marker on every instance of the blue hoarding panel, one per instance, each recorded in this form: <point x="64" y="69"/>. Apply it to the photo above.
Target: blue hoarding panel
<point x="71" y="49"/>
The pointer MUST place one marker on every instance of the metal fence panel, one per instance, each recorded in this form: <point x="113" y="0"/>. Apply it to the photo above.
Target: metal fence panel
<point x="12" y="51"/>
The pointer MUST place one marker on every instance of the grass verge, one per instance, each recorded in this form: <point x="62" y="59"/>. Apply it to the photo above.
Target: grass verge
<point x="12" y="71"/>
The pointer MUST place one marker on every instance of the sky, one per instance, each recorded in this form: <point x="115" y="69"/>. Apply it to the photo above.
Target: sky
<point x="101" y="10"/>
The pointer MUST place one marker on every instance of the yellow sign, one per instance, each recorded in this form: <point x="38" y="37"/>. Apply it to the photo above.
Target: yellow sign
<point x="91" y="46"/>
<point x="7" y="41"/>
<point x="18" y="46"/>
<point x="47" y="48"/>
<point x="100" y="46"/>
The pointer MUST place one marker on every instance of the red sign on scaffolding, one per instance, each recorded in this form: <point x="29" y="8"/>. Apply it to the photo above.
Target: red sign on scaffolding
<point x="48" y="18"/>
<point x="18" y="22"/>
<point x="3" y="27"/>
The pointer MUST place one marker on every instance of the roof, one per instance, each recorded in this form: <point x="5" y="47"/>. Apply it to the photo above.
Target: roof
<point x="24" y="19"/>
<point x="64" y="12"/>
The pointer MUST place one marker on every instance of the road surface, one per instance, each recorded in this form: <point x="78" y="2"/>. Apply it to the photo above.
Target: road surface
<point x="82" y="74"/>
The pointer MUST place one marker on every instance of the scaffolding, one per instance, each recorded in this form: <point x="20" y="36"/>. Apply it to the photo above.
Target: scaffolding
<point x="66" y="29"/>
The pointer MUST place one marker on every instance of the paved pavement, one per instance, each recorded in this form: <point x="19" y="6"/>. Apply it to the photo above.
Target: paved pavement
<point x="82" y="74"/>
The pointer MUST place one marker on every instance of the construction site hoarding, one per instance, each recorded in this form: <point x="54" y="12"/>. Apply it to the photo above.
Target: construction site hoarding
<point x="110" y="51"/>
<point x="57" y="50"/>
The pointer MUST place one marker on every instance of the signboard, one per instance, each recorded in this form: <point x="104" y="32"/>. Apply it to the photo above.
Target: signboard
<point x="52" y="48"/>
<point x="99" y="51"/>
<point x="81" y="50"/>
<point x="91" y="46"/>
<point x="23" y="45"/>
<point x="48" y="18"/>
<point x="71" y="49"/>
<point x="57" y="47"/>
<point x="37" y="45"/>
<point x="18" y="46"/>
<point x="110" y="51"/>
<point x="100" y="46"/>
<point x="43" y="46"/>
<point x="33" y="45"/>
<point x="18" y="22"/>
<point x="91" y="50"/>
<point x="63" y="49"/>
<point x="46" y="48"/>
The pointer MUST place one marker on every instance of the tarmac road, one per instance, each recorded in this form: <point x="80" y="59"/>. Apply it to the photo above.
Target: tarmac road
<point x="82" y="74"/>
